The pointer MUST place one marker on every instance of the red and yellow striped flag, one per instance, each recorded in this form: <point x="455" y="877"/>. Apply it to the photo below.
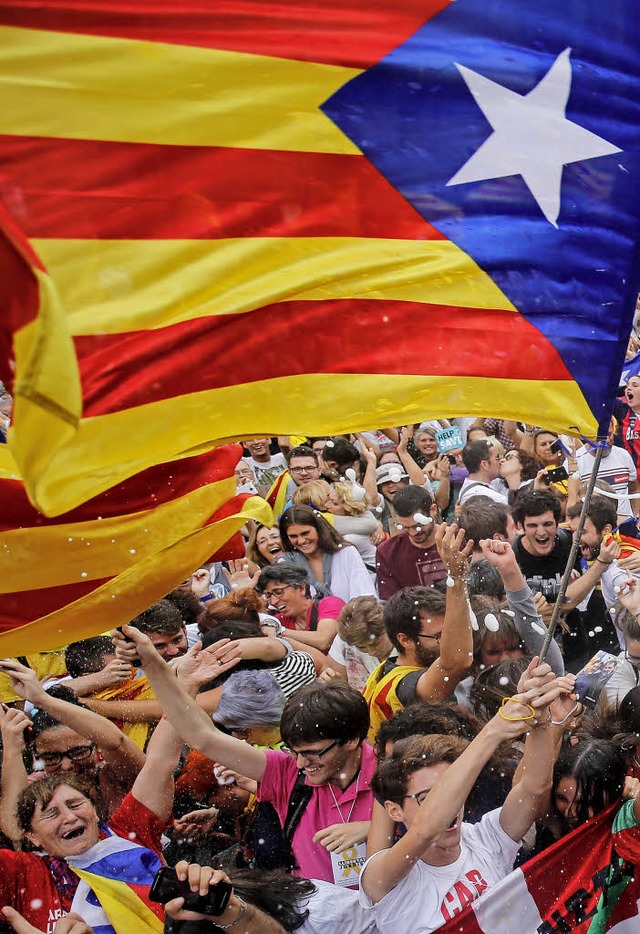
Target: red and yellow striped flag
<point x="221" y="259"/>
<point x="100" y="565"/>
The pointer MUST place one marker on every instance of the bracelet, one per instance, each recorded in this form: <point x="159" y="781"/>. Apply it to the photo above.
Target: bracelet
<point x="606" y="563"/>
<point x="505" y="700"/>
<point x="570" y="714"/>
<point x="225" y="927"/>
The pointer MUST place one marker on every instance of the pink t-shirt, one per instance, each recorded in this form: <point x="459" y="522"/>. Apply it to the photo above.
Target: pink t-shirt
<point x="277" y="783"/>
<point x="328" y="608"/>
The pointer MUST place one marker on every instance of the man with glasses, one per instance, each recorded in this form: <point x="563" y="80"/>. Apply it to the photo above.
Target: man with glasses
<point x="324" y="727"/>
<point x="431" y="634"/>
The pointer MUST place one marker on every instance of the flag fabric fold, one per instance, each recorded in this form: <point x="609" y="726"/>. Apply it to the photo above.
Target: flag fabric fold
<point x="219" y="226"/>
<point x="586" y="883"/>
<point x="87" y="571"/>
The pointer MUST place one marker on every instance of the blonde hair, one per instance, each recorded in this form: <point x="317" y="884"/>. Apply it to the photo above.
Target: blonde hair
<point x="313" y="493"/>
<point x="361" y="623"/>
<point x="352" y="506"/>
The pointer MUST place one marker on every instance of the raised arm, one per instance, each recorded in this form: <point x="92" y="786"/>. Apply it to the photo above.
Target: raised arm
<point x="154" y="786"/>
<point x="456" y="644"/>
<point x="14" y="775"/>
<point x="120" y="752"/>
<point x="447" y="797"/>
<point x="530" y="625"/>
<point x="190" y="721"/>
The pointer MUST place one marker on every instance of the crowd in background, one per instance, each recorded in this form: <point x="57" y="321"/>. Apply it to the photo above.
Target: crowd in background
<point x="351" y="724"/>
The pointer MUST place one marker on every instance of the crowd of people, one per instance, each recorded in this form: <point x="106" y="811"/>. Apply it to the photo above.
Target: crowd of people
<point x="351" y="725"/>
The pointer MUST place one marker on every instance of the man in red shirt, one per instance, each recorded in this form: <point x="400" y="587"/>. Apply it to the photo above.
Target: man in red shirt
<point x="411" y="558"/>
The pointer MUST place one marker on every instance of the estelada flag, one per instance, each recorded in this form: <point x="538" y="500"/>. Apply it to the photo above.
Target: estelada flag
<point x="98" y="566"/>
<point x="587" y="882"/>
<point x="253" y="217"/>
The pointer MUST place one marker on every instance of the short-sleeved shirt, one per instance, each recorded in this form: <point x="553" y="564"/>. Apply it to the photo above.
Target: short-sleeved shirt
<point x="617" y="469"/>
<point x="281" y="772"/>
<point x="328" y="608"/>
<point x="27" y="882"/>
<point x="400" y="564"/>
<point x="628" y="435"/>
<point x="487" y="854"/>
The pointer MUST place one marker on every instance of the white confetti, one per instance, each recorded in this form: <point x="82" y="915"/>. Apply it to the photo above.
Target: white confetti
<point x="420" y="518"/>
<point x="504" y="681"/>
<point x="450" y="581"/>
<point x="537" y="628"/>
<point x="491" y="623"/>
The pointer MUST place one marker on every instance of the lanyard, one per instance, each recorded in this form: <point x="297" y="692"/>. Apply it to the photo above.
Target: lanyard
<point x="353" y="803"/>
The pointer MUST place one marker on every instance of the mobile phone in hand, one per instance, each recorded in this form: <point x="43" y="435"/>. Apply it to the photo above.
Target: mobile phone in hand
<point x="135" y="662"/>
<point x="166" y="886"/>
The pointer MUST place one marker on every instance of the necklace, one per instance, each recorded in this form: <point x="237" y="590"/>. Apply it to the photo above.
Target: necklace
<point x="353" y="803"/>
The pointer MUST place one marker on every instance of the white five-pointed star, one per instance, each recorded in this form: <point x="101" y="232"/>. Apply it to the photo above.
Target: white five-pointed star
<point x="531" y="135"/>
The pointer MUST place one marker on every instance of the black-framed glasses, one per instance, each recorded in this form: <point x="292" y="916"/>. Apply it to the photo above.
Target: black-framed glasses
<point x="53" y="760"/>
<point x="301" y="470"/>
<point x="276" y="592"/>
<point x="425" y="635"/>
<point x="419" y="796"/>
<point x="311" y="755"/>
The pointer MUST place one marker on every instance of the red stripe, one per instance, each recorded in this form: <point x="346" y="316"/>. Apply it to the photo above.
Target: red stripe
<point x="119" y="371"/>
<point x="156" y="486"/>
<point x="380" y="701"/>
<point x="19" y="290"/>
<point x="138" y="191"/>
<point x="356" y="33"/>
<point x="18" y="609"/>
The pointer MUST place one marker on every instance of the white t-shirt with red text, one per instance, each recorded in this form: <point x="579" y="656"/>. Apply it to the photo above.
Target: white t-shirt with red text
<point x="429" y="896"/>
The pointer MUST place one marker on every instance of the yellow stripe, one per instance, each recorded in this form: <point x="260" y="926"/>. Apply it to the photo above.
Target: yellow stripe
<point x="131" y="285"/>
<point x="125" y="910"/>
<point x="110" y="447"/>
<point x="96" y="87"/>
<point x="133" y="591"/>
<point x="77" y="551"/>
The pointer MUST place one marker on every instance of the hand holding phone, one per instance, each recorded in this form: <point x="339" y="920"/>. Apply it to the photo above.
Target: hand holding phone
<point x="167" y="886"/>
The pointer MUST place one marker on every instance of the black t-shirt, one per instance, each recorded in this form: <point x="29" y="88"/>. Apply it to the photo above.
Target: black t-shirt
<point x="589" y="630"/>
<point x="407" y="687"/>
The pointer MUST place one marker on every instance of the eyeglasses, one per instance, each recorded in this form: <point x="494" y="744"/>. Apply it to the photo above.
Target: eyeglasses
<point x="301" y="470"/>
<point x="425" y="635"/>
<point x="276" y="592"/>
<point x="632" y="659"/>
<point x="419" y="796"/>
<point x="311" y="755"/>
<point x="53" y="760"/>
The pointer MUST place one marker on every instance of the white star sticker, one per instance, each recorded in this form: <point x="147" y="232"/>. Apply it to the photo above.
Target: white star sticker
<point x="531" y="135"/>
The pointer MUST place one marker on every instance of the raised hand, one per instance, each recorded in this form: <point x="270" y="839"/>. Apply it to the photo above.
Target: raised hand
<point x="452" y="549"/>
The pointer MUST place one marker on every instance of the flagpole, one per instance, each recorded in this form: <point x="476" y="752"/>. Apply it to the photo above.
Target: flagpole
<point x="573" y="553"/>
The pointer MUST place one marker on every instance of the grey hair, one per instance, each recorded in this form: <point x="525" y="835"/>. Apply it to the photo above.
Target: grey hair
<point x="250" y="698"/>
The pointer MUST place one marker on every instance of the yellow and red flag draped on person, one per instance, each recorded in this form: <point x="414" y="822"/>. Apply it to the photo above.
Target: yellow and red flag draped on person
<point x="221" y="259"/>
<point x="98" y="566"/>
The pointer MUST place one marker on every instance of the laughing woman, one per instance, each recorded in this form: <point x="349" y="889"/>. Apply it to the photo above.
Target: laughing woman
<point x="331" y="562"/>
<point x="101" y="871"/>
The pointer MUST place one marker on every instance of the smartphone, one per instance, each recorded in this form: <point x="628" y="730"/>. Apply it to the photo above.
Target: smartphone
<point x="556" y="474"/>
<point x="557" y="447"/>
<point x="28" y="730"/>
<point x="135" y="662"/>
<point x="166" y="886"/>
